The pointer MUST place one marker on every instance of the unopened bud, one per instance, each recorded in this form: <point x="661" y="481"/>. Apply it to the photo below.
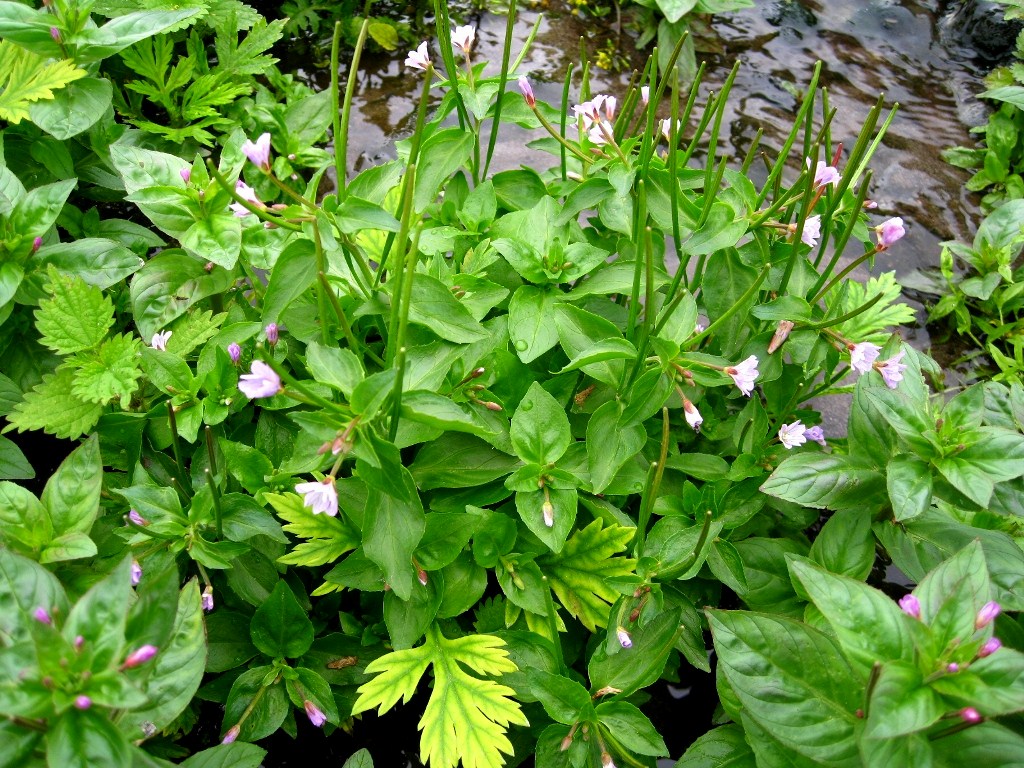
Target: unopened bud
<point x="477" y="373"/>
<point x="82" y="702"/>
<point x="490" y="405"/>
<point x="55" y="34"/>
<point x="136" y="573"/>
<point x="272" y="333"/>
<point x="527" y="90"/>
<point x="186" y="174"/>
<point x="207" y="599"/>
<point x="313" y="712"/>
<point x="970" y="715"/>
<point x="37" y="243"/>
<point x="139" y="656"/>
<point x="421" y="575"/>
<point x="781" y="334"/>
<point x="952" y="668"/>
<point x="234" y="352"/>
<point x="231" y="735"/>
<point x="693" y="417"/>
<point x="991" y="645"/>
<point x="548" y="510"/>
<point x="911" y="606"/>
<point x="566" y="743"/>
<point x="606" y="760"/>
<point x="624" y="638"/>
<point x="987" y="614"/>
<point x="42" y="616"/>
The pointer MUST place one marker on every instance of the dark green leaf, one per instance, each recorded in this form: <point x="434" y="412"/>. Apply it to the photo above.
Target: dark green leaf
<point x="280" y="627"/>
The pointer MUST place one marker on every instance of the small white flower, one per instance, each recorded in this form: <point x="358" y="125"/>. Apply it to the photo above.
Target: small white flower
<point x="792" y="435"/>
<point x="824" y="174"/>
<point x="418" y="59"/>
<point x="645" y="94"/>
<point x="322" y="497"/>
<point x="666" y="128"/>
<point x="744" y="374"/>
<point x="159" y="340"/>
<point x="812" y="231"/>
<point x="258" y="151"/>
<point x="262" y="381"/>
<point x="548" y="510"/>
<point x="248" y="194"/>
<point x="693" y="417"/>
<point x="464" y="38"/>
<point x="863" y="356"/>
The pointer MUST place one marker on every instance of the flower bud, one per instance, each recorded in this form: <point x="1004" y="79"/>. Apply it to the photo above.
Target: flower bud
<point x="548" y="510"/>
<point x="421" y="576"/>
<point x="693" y="417"/>
<point x="42" y="616"/>
<point x="137" y="519"/>
<point x="55" y="34"/>
<point x="139" y="656"/>
<point x="234" y="352"/>
<point x="911" y="606"/>
<point x="566" y="743"/>
<point x="37" y="243"/>
<point x="606" y="761"/>
<point x="970" y="715"/>
<point x="136" y="573"/>
<point x="231" y="735"/>
<point x="527" y="90"/>
<point x="987" y="614"/>
<point x="207" y="599"/>
<point x="186" y="174"/>
<point x="624" y="638"/>
<point x="953" y="668"/>
<point x="991" y="645"/>
<point x="82" y="702"/>
<point x="490" y="405"/>
<point x="272" y="333"/>
<point x="316" y="717"/>
<point x="781" y="334"/>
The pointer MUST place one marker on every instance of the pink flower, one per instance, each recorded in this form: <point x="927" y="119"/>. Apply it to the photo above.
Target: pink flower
<point x="234" y="352"/>
<point x="693" y="417"/>
<point x="316" y="717"/>
<point x="744" y="374"/>
<point x="812" y="231"/>
<point x="991" y="645"/>
<point x="817" y="434"/>
<point x="263" y="381"/>
<point x="418" y="59"/>
<point x="248" y="194"/>
<point x="527" y="90"/>
<point x="140" y="656"/>
<point x="888" y="232"/>
<point x="792" y="435"/>
<point x="231" y="735"/>
<point x="82" y="702"/>
<point x="911" y="606"/>
<point x="597" y="135"/>
<point x="599" y="108"/>
<point x="258" y="152"/>
<point x="136" y="573"/>
<point x="272" y="332"/>
<point x="970" y="715"/>
<point x="159" y="340"/>
<point x="42" y="616"/>
<point x="666" y="128"/>
<point x="207" y="599"/>
<point x="824" y="174"/>
<point x="55" y="34"/>
<point x="186" y="174"/>
<point x="987" y="614"/>
<point x="892" y="370"/>
<point x="952" y="668"/>
<point x="645" y="94"/>
<point x="624" y="638"/>
<point x="321" y="496"/>
<point x="863" y="355"/>
<point x="137" y="519"/>
<point x="464" y="38"/>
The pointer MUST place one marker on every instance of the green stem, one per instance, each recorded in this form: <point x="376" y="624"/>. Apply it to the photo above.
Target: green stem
<point x="552" y="618"/>
<point x="346" y="329"/>
<point x="403" y="325"/>
<point x="550" y="129"/>
<point x="300" y="388"/>
<point x="849" y="268"/>
<point x="403" y="245"/>
<point x="341" y="128"/>
<point x="843" y="318"/>
<point x="261" y="213"/>
<point x="176" y="443"/>
<point x="653" y="486"/>
<point x="750" y="293"/>
<point x="502" y="82"/>
<point x="321" y="297"/>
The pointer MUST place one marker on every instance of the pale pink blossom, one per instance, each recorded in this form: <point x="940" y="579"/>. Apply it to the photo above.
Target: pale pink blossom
<point x="744" y="374"/>
<point x="987" y="614"/>
<point x="82" y="702"/>
<point x="159" y="340"/>
<point x="824" y="174"/>
<point x="231" y="735"/>
<point x="817" y="434"/>
<point x="863" y="356"/>
<point x="464" y="37"/>
<point x="207" y="599"/>
<point x="316" y="717"/>
<point x="666" y="128"/>
<point x="811" y="231"/>
<point x="186" y="174"/>
<point x="418" y="59"/>
<point x="889" y="231"/>
<point x="645" y="94"/>
<point x="136" y="518"/>
<point x="320" y="496"/>
<point x="792" y="435"/>
<point x="624" y="638"/>
<point x="970" y="715"/>
<point x="693" y="417"/>
<point x="258" y="151"/>
<point x="136" y="573"/>
<point x="263" y="381"/>
<point x="527" y="90"/>
<point x="248" y="194"/>
<point x="597" y="134"/>
<point x="547" y="509"/>
<point x="991" y="645"/>
<point x="892" y="369"/>
<point x="911" y="606"/>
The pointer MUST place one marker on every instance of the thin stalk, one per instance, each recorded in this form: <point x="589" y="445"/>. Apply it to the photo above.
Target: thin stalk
<point x="260" y="212"/>
<point x="843" y="318"/>
<point x="688" y="563"/>
<point x="218" y="515"/>
<point x="639" y="223"/>
<point x="175" y="441"/>
<point x="403" y="325"/>
<point x="528" y="43"/>
<point x="502" y="82"/>
<point x="552" y="618"/>
<point x="444" y="40"/>
<point x="397" y="287"/>
<point x="298" y="387"/>
<point x="558" y="136"/>
<point x="750" y="293"/>
<point x="341" y="131"/>
<point x="652" y="487"/>
<point x="346" y="328"/>
<point x="849" y="268"/>
<point x="321" y="268"/>
<point x="564" y="121"/>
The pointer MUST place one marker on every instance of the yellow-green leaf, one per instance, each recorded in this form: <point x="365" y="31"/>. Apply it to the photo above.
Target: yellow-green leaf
<point x="26" y="78"/>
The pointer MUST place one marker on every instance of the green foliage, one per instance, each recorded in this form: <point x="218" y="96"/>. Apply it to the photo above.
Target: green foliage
<point x="466" y="717"/>
<point x="26" y="78"/>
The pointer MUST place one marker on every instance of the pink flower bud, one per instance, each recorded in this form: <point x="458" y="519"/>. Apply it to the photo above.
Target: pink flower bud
<point x="234" y="352"/>
<point x="987" y="614"/>
<point x="136" y="573"/>
<point x="527" y="90"/>
<point x="624" y="638"/>
<point x="42" y="616"/>
<point x="888" y="232"/>
<point x="911" y="606"/>
<point x="82" y="702"/>
<point x="37" y="243"/>
<point x="231" y="735"/>
<point x="137" y="519"/>
<point x="55" y="34"/>
<point x="186" y="174"/>
<point x="953" y="668"/>
<point x="316" y="717"/>
<point x="139" y="656"/>
<point x="970" y="715"/>
<point x="272" y="333"/>
<point x="207" y="599"/>
<point x="421" y="576"/>
<point x="991" y="645"/>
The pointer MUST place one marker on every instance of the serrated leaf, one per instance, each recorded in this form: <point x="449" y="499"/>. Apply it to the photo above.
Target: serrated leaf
<point x="52" y="408"/>
<point x="466" y="718"/>
<point x="193" y="330"/>
<point x="327" y="538"/>
<point x="76" y="316"/>
<point x="108" y="372"/>
<point x="885" y="313"/>
<point x="26" y="78"/>
<point x="579" y="574"/>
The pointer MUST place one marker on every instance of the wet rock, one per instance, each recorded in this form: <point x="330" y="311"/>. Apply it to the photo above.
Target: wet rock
<point x="979" y="26"/>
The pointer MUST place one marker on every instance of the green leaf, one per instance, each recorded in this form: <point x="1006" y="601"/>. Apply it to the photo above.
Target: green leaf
<point x="237" y="755"/>
<point x="466" y="718"/>
<point x="441" y="155"/>
<point x="13" y="464"/>
<point x="99" y="617"/>
<point x="631" y="728"/>
<point x="870" y="324"/>
<point x="26" y="78"/>
<point x="869" y="626"/>
<point x="143" y="168"/>
<point x="530" y="327"/>
<point x="173" y="677"/>
<point x="435" y="308"/>
<point x="76" y="316"/>
<point x="722" y="747"/>
<point x="609" y="446"/>
<point x="52" y="408"/>
<point x="96" y="260"/>
<point x="630" y="669"/>
<point x="338" y="368"/>
<point x="953" y="593"/>
<point x="995" y="684"/>
<point x="244" y="518"/>
<point x="112" y="371"/>
<point x="901" y="703"/>
<point x="565" y="700"/>
<point x="266" y="706"/>
<point x="216" y="237"/>
<point x="280" y="627"/>
<point x="293" y="274"/>
<point x="228" y="644"/>
<point x="846" y="544"/>
<point x="792" y="677"/>
<point x="168" y="285"/>
<point x="909" y="480"/>
<point x="564" y="503"/>
<point x="86" y="739"/>
<point x="441" y="412"/>
<point x="986" y="745"/>
<point x="540" y="428"/>
<point x="74" y="109"/>
<point x="72" y="494"/>
<point x="248" y="466"/>
<point x="25" y="586"/>
<point x="408" y="619"/>
<point x="457" y="460"/>
<point x="392" y="529"/>
<point x="328" y="538"/>
<point x="822" y="481"/>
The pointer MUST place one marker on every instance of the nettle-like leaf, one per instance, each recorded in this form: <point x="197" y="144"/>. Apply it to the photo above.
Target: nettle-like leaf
<point x="52" y="408"/>
<point x="579" y="574"/>
<point x="193" y="330"/>
<point x="76" y="317"/>
<point x="885" y="313"/>
<point x="327" y="538"/>
<point x="108" y="372"/>
<point x="466" y="718"/>
<point x="26" y="78"/>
